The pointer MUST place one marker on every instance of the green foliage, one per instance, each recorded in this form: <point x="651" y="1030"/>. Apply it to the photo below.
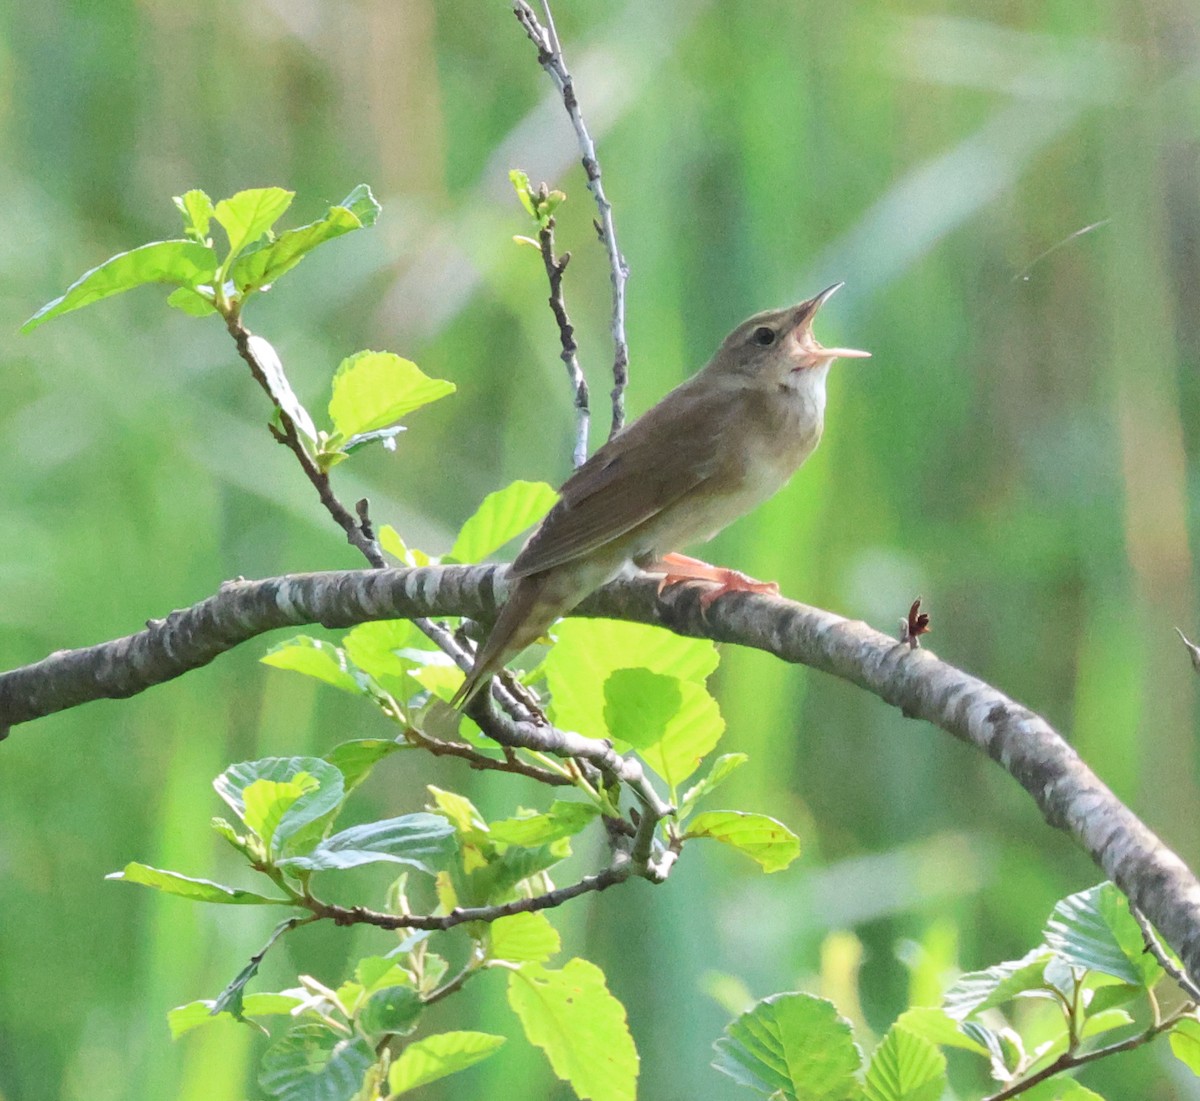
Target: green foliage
<point x="502" y="516"/>
<point x="539" y="203"/>
<point x="767" y="1047"/>
<point x="438" y="1056"/>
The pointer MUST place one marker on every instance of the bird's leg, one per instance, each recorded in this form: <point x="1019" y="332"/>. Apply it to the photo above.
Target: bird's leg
<point x="679" y="567"/>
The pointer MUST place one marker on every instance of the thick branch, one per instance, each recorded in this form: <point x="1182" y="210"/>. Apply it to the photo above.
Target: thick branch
<point x="1068" y="793"/>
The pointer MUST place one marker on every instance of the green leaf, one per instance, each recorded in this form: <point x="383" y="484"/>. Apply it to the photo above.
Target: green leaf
<point x="263" y="266"/>
<point x="522" y="938"/>
<point x="1060" y="1089"/>
<point x="374" y="389"/>
<point x="191" y="301"/>
<point x="672" y="723"/>
<point x="198" y="890"/>
<point x="793" y="1045"/>
<point x="979" y="990"/>
<point x="938" y="1027"/>
<point x="589" y="651"/>
<point x="905" y="1067"/>
<point x="305" y="820"/>
<point x="313" y="1063"/>
<point x="437" y="1056"/>
<point x="355" y="760"/>
<point x="1094" y="929"/>
<point x="390" y="541"/>
<point x="1185" y="1043"/>
<point x="318" y="659"/>
<point x="186" y="1018"/>
<point x="1104" y="1021"/>
<point x="502" y="516"/>
<point x="721" y="769"/>
<point x="249" y="214"/>
<point x="182" y="263"/>
<point x="393" y="1010"/>
<point x="521" y="186"/>
<point x="563" y="819"/>
<point x="763" y="839"/>
<point x="197" y="209"/>
<point x="496" y="880"/>
<point x="461" y="812"/>
<point x="267" y="801"/>
<point x="232" y="999"/>
<point x="424" y="841"/>
<point x="581" y="1027"/>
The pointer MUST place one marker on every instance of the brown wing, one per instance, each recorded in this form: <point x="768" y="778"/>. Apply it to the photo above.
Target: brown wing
<point x="662" y="456"/>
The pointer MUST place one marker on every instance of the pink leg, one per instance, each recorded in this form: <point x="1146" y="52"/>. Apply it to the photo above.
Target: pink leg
<point x="679" y="567"/>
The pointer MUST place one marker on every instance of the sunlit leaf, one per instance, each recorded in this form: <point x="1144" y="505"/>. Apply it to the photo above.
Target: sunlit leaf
<point x="794" y="1046"/>
<point x="502" y="516"/>
<point x="978" y="990"/>
<point x="1094" y="929"/>
<point x="563" y="819"/>
<point x="521" y="938"/>
<point x="761" y="838"/>
<point x="355" y="760"/>
<point x="938" y="1027"/>
<point x="723" y="767"/>
<point x="191" y="302"/>
<point x="195" y="1015"/>
<point x="182" y="263"/>
<point x="1185" y="1043"/>
<point x="197" y="209"/>
<point x="319" y="659"/>
<point x="374" y="389"/>
<point x="581" y="1027"/>
<point x="267" y="801"/>
<point x="247" y="215"/>
<point x="435" y="1057"/>
<point x="198" y="890"/>
<point x="905" y="1067"/>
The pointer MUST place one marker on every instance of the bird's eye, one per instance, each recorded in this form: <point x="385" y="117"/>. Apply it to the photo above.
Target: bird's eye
<point x="764" y="336"/>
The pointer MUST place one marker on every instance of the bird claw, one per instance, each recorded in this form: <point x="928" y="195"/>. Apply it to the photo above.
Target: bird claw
<point x="680" y="568"/>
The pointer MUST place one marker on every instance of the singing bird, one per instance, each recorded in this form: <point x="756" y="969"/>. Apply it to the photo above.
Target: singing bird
<point x="714" y="448"/>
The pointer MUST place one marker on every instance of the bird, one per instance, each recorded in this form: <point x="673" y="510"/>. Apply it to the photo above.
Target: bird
<point x="714" y="448"/>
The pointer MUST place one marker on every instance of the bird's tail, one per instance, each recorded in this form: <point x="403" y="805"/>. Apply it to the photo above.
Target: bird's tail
<point x="523" y="619"/>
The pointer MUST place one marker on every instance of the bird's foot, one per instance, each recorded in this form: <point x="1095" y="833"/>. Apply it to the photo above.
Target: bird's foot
<point x="679" y="567"/>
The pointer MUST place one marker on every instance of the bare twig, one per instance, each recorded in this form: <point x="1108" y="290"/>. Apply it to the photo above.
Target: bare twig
<point x="1155" y="948"/>
<point x="550" y="57"/>
<point x="555" y="266"/>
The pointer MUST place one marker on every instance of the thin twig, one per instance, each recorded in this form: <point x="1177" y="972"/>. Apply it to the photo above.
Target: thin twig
<point x="550" y="57"/>
<point x="555" y="266"/>
<point x="1155" y="948"/>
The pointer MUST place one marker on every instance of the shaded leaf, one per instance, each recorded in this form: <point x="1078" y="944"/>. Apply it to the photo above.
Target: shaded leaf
<point x="977" y="990"/>
<point x="723" y="767"/>
<point x="1094" y="929"/>
<point x="393" y="1010"/>
<point x="185" y="1018"/>
<point x="312" y="1063"/>
<point x="938" y="1027"/>
<point x="354" y="760"/>
<point x="182" y="263"/>
<point x="581" y="1027"/>
<point x="424" y="841"/>
<point x="793" y="1045"/>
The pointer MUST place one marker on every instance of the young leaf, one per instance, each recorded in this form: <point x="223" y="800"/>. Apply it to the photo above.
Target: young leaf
<point x="938" y="1027"/>
<point x="182" y="263"/>
<point x="563" y="819"/>
<point x="197" y="209"/>
<point x="495" y="881"/>
<point x="424" y="841"/>
<point x="763" y="839"/>
<point x="581" y="1027"/>
<point x="502" y="516"/>
<point x="263" y="266"/>
<point x="589" y="651"/>
<point x="1185" y="1043"/>
<point x="390" y="541"/>
<point x="249" y="214"/>
<point x="794" y="1045"/>
<point x="267" y="801"/>
<point x="521" y="186"/>
<point x="191" y="301"/>
<point x="721" y="769"/>
<point x="437" y="1056"/>
<point x="672" y="723"/>
<point x="374" y="389"/>
<point x="905" y="1067"/>
<point x="354" y="760"/>
<point x="523" y="938"/>
<point x="978" y="990"/>
<point x="318" y="659"/>
<point x="1094" y="929"/>
<point x="271" y="367"/>
<point x="313" y="1063"/>
<point x="198" y="890"/>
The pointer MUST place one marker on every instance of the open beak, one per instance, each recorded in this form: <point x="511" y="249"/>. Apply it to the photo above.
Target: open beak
<point x="833" y="353"/>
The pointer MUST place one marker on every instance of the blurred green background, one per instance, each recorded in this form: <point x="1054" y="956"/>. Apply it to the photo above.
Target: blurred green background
<point x="1021" y="452"/>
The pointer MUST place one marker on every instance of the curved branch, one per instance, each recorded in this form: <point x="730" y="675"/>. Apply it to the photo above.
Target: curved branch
<point x="1070" y="796"/>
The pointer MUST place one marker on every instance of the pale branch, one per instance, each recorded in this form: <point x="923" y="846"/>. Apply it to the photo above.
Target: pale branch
<point x="555" y="266"/>
<point x="1068" y="793"/>
<point x="550" y="57"/>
